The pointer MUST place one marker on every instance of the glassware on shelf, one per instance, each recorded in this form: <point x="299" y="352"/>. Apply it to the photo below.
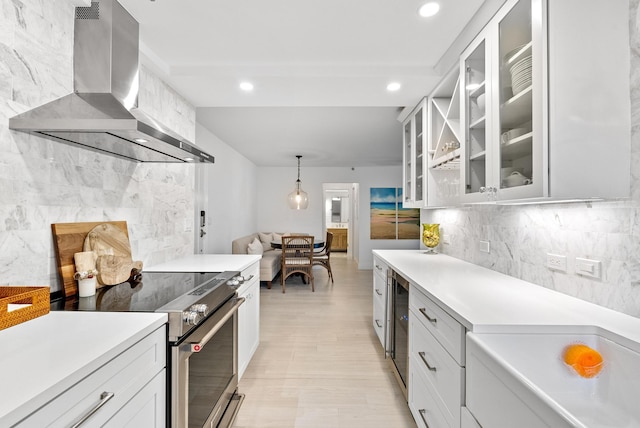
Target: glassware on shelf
<point x="431" y="236"/>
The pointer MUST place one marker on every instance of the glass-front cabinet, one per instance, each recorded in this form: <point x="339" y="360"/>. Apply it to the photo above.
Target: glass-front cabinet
<point x="476" y="167"/>
<point x="499" y="85"/>
<point x="518" y="157"/>
<point x="536" y="110"/>
<point x="542" y="100"/>
<point x="414" y="141"/>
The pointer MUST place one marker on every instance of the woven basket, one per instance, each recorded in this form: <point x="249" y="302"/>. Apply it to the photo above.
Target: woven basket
<point x="36" y="297"/>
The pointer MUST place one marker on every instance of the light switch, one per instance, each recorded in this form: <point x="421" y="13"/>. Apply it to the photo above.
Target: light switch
<point x="590" y="268"/>
<point x="484" y="246"/>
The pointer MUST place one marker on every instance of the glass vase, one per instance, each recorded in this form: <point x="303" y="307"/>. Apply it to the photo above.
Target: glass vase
<point x="431" y="236"/>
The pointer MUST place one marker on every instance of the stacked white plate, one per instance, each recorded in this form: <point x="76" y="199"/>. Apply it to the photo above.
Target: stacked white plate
<point x="521" y="75"/>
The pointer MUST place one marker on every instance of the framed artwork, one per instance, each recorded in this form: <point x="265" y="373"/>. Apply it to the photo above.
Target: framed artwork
<point x="389" y="219"/>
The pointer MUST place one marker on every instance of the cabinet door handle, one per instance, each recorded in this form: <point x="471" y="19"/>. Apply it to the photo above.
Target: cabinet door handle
<point x="431" y="320"/>
<point x="378" y="292"/>
<point x="104" y="397"/>
<point x="378" y="323"/>
<point x="426" y="363"/>
<point x="422" y="413"/>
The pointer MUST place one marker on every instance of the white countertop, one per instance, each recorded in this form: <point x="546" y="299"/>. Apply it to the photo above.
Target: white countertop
<point x="485" y="301"/>
<point x="43" y="357"/>
<point x="206" y="263"/>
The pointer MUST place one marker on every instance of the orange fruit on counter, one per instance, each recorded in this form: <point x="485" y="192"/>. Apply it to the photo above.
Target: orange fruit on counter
<point x="587" y="362"/>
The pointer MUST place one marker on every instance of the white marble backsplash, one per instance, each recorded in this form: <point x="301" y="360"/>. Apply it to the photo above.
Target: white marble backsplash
<point x="44" y="181"/>
<point x="174" y="111"/>
<point x="521" y="236"/>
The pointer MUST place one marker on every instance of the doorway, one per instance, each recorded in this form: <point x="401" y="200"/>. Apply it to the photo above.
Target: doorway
<point x="340" y="216"/>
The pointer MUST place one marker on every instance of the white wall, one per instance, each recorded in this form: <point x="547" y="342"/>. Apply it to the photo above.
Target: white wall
<point x="274" y="184"/>
<point x="230" y="184"/>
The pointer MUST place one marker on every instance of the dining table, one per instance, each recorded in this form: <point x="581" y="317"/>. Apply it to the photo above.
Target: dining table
<point x="317" y="243"/>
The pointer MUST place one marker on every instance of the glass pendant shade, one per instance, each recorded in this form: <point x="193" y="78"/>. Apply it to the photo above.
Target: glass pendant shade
<point x="298" y="199"/>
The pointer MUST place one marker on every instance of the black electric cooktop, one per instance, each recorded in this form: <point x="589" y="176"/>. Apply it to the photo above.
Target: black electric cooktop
<point x="150" y="292"/>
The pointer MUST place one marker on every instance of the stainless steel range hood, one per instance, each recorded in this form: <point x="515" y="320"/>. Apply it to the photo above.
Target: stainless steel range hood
<point x="102" y="114"/>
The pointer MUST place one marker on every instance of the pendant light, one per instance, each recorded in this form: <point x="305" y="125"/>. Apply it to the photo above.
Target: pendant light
<point x="298" y="199"/>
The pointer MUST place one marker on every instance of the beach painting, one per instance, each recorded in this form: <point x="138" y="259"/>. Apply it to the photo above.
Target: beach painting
<point x="408" y="220"/>
<point x="389" y="220"/>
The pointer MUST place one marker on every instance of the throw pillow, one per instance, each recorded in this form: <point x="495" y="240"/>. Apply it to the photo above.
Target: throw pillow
<point x="265" y="238"/>
<point x="255" y="247"/>
<point x="277" y="237"/>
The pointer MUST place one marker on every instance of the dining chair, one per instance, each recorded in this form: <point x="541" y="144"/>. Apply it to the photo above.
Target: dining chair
<point x="297" y="257"/>
<point x="322" y="257"/>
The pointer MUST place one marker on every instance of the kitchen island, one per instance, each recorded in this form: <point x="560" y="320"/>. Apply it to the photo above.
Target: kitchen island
<point x="486" y="349"/>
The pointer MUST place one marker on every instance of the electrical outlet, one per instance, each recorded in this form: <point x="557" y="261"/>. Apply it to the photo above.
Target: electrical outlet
<point x="484" y="247"/>
<point x="187" y="225"/>
<point x="557" y="262"/>
<point x="590" y="268"/>
<point x="446" y="238"/>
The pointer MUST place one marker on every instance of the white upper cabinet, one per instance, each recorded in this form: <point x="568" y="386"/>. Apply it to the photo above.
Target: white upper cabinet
<point x="545" y="110"/>
<point x="414" y="141"/>
<point x="444" y="143"/>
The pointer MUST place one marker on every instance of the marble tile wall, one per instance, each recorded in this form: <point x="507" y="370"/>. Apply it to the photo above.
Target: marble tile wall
<point x="521" y="236"/>
<point x="44" y="181"/>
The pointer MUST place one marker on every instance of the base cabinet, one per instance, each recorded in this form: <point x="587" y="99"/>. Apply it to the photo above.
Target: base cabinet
<point x="132" y="387"/>
<point x="249" y="318"/>
<point x="340" y="239"/>
<point x="436" y="363"/>
<point x="146" y="408"/>
<point x="380" y="295"/>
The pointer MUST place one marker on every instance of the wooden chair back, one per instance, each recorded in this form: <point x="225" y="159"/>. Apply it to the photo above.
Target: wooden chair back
<point x="297" y="257"/>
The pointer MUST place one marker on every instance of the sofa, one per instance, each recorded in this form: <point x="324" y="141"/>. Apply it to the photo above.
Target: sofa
<point x="271" y="261"/>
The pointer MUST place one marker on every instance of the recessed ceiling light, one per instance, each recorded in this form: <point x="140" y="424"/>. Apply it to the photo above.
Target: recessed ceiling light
<point x="188" y="159"/>
<point x="141" y="140"/>
<point x="429" y="9"/>
<point x="393" y="86"/>
<point x="246" y="86"/>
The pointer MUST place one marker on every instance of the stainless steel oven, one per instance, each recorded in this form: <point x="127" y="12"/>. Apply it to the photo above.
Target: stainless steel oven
<point x="202" y="335"/>
<point x="204" y="371"/>
<point x="398" y="349"/>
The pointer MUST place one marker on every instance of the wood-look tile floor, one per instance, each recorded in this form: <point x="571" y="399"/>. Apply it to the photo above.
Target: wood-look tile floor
<point x="319" y="363"/>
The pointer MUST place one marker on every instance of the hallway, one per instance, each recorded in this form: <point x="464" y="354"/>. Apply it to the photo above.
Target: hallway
<point x="319" y="363"/>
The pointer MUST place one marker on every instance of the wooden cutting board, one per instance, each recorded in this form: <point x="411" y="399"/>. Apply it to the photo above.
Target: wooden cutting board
<point x="68" y="239"/>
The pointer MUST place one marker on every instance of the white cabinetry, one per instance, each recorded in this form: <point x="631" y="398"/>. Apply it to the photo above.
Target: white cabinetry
<point x="436" y="363"/>
<point x="444" y="142"/>
<point x="543" y="101"/>
<point x="414" y="141"/>
<point x="380" y="294"/>
<point x="249" y="318"/>
<point x="128" y="391"/>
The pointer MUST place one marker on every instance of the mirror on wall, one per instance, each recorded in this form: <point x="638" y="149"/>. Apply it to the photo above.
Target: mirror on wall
<point x="337" y="208"/>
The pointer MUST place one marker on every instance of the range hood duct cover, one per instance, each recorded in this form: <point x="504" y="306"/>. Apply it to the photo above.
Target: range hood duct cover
<point x="102" y="114"/>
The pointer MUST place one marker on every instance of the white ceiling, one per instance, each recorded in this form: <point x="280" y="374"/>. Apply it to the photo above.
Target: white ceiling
<point x="320" y="70"/>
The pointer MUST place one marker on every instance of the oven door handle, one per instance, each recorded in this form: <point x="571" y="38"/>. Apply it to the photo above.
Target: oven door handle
<point x="218" y="326"/>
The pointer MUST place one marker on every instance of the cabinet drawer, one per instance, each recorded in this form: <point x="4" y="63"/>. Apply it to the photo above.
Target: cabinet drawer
<point x="379" y="321"/>
<point x="424" y="404"/>
<point x="437" y="366"/>
<point x="449" y="332"/>
<point x="467" y="420"/>
<point x="123" y="376"/>
<point x="379" y="292"/>
<point x="254" y="270"/>
<point x="380" y="269"/>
